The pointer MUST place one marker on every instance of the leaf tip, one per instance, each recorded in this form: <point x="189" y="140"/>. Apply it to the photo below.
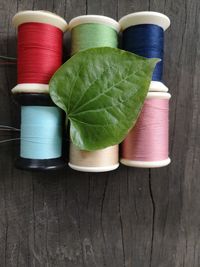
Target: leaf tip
<point x="155" y="61"/>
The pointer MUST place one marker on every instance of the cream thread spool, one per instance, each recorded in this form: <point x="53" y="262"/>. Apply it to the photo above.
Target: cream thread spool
<point x="104" y="159"/>
<point x="94" y="161"/>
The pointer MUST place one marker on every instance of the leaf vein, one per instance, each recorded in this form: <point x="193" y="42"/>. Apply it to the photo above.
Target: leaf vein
<point x="104" y="93"/>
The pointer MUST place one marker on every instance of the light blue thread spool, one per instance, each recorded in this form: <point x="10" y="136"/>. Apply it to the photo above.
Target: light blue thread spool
<point x="41" y="132"/>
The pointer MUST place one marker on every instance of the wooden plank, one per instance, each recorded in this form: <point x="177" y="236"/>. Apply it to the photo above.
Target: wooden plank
<point x="118" y="221"/>
<point x="103" y="7"/>
<point x="55" y="235"/>
<point x="129" y="217"/>
<point x="8" y="79"/>
<point x="138" y="218"/>
<point x="176" y="188"/>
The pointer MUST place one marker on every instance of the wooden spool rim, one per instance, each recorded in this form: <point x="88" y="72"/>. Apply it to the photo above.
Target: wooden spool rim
<point x="94" y="19"/>
<point x="156" y="86"/>
<point x="145" y="17"/>
<point x="93" y="169"/>
<point x="145" y="164"/>
<point x="39" y="16"/>
<point x="158" y="95"/>
<point x="30" y="88"/>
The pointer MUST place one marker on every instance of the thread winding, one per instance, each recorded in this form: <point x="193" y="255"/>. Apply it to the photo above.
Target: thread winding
<point x="148" y="140"/>
<point x="39" y="52"/>
<point x="41" y="132"/>
<point x="146" y="40"/>
<point x="90" y="35"/>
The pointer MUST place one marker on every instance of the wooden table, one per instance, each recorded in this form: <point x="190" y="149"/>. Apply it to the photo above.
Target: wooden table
<point x="125" y="218"/>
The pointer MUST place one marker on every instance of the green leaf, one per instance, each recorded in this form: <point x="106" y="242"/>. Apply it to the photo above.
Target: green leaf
<point x="102" y="91"/>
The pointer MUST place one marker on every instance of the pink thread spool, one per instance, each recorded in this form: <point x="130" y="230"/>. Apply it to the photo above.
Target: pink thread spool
<point x="146" y="145"/>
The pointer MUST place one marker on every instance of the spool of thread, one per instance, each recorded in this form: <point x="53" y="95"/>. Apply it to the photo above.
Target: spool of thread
<point x="92" y="31"/>
<point x="40" y="37"/>
<point x="41" y="133"/>
<point x="143" y="34"/>
<point x="146" y="145"/>
<point x="94" y="161"/>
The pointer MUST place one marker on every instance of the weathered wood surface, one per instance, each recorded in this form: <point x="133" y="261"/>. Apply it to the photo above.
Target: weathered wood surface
<point x="126" y="218"/>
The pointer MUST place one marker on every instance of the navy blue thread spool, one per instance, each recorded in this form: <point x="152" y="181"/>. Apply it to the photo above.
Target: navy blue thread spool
<point x="143" y="34"/>
<point x="40" y="163"/>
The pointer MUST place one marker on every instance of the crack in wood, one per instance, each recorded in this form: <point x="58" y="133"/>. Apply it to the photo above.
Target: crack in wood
<point x="101" y="218"/>
<point x="88" y="198"/>
<point x="122" y="230"/>
<point x="79" y="229"/>
<point x="153" y="219"/>
<point x="86" y="6"/>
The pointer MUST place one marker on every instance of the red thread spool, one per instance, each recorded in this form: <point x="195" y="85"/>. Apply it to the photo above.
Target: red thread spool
<point x="39" y="52"/>
<point x="40" y="36"/>
<point x="146" y="145"/>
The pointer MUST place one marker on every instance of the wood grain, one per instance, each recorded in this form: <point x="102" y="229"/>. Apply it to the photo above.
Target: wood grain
<point x="125" y="218"/>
